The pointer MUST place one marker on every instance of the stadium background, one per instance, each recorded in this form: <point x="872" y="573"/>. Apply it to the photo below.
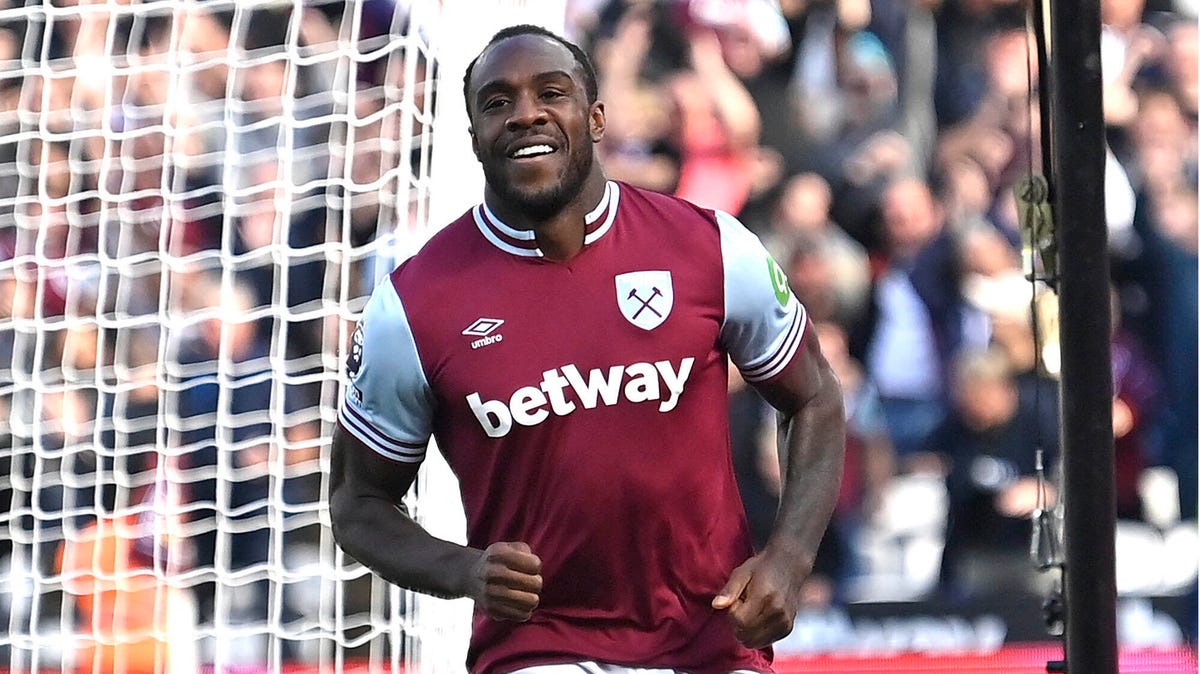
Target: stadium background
<point x="196" y="199"/>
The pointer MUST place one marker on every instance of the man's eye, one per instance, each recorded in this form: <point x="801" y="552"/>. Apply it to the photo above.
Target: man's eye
<point x="552" y="93"/>
<point x="493" y="103"/>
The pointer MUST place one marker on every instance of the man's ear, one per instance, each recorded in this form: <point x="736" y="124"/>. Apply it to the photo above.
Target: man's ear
<point x="474" y="141"/>
<point x="597" y="122"/>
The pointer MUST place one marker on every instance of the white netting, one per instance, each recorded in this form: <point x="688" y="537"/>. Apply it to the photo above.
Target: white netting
<point x="195" y="200"/>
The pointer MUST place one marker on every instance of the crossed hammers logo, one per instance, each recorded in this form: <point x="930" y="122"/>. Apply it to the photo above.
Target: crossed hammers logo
<point x="633" y="295"/>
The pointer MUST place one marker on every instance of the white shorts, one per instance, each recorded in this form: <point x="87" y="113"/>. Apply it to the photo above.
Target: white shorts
<point x="601" y="668"/>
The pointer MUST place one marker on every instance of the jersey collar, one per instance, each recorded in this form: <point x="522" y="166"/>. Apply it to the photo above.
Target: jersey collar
<point x="523" y="243"/>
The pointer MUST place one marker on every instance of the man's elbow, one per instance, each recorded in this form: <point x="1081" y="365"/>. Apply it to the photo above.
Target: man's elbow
<point x="339" y="515"/>
<point x="829" y="394"/>
<point x="824" y="401"/>
<point x="345" y="516"/>
<point x="835" y="399"/>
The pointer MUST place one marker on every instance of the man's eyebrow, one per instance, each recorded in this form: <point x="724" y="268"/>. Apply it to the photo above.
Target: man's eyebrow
<point x="553" y="74"/>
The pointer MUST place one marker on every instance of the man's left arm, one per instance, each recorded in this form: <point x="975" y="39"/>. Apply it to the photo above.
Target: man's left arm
<point x="763" y="594"/>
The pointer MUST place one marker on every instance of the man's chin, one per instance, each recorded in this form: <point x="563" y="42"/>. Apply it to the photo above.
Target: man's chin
<point x="540" y="195"/>
<point x="537" y="203"/>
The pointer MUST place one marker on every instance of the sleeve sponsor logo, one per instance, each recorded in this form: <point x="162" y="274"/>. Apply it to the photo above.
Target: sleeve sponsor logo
<point x="779" y="281"/>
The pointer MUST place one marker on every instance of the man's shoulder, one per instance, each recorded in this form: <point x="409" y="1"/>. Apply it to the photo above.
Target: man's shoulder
<point x="442" y="256"/>
<point x="452" y="241"/>
<point x="650" y="200"/>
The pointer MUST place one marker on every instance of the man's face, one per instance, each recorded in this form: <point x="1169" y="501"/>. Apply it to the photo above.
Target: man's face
<point x="986" y="404"/>
<point x="532" y="126"/>
<point x="910" y="216"/>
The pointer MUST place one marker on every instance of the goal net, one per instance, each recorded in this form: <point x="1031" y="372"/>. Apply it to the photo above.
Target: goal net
<point x="196" y="199"/>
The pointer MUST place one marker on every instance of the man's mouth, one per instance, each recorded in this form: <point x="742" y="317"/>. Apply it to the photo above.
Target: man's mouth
<point x="531" y="151"/>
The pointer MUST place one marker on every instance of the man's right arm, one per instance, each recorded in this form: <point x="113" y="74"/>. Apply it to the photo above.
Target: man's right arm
<point x="371" y="523"/>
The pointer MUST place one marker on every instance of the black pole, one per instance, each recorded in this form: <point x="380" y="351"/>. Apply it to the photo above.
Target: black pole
<point x="1078" y="154"/>
<point x="1041" y="35"/>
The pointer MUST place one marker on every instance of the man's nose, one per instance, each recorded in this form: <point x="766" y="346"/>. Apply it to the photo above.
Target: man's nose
<point x="527" y="111"/>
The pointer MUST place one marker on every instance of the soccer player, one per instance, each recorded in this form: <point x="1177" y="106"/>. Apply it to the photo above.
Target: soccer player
<point x="566" y="342"/>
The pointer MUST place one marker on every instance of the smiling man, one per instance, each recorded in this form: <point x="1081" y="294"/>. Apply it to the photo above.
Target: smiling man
<point x="567" y="342"/>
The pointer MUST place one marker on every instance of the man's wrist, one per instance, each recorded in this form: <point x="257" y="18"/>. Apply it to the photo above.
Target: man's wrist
<point x="790" y="552"/>
<point x="465" y="563"/>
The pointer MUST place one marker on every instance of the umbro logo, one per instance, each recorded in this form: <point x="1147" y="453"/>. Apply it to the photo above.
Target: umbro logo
<point x="483" y="328"/>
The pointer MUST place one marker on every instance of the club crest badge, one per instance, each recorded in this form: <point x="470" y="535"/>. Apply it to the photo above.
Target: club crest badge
<point x="645" y="297"/>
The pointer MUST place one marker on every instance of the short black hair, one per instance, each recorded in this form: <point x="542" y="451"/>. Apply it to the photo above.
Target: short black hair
<point x="581" y="59"/>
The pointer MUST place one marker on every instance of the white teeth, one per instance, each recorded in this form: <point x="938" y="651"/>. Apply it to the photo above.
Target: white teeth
<point x="533" y="150"/>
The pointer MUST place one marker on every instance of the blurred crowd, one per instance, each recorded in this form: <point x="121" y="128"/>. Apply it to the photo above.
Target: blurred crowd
<point x="877" y="146"/>
<point x="195" y="202"/>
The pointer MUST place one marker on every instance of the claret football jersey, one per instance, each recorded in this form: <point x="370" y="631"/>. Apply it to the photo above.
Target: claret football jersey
<point x="582" y="406"/>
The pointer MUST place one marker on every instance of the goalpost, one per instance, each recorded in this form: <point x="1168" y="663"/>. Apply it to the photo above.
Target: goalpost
<point x="196" y="199"/>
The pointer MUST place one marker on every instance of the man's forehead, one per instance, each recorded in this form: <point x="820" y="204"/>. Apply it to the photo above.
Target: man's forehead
<point x="528" y="54"/>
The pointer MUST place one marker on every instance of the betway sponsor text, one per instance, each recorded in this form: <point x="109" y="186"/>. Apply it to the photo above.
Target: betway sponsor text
<point x="563" y="390"/>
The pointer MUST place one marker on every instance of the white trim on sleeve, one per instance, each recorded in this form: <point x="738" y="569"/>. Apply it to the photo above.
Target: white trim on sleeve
<point x="397" y="450"/>
<point x="778" y="359"/>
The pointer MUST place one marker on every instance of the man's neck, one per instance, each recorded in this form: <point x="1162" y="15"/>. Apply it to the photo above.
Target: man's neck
<point x="561" y="235"/>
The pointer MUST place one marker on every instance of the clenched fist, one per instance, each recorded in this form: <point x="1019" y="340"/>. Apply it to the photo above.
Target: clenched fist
<point x="507" y="581"/>
<point x="762" y="596"/>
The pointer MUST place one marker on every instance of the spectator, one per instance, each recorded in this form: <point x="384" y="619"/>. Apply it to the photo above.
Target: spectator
<point x="225" y="442"/>
<point x="1034" y="358"/>
<point x="810" y="274"/>
<point x="718" y="128"/>
<point x="961" y="82"/>
<point x="998" y="137"/>
<point x="1171" y="249"/>
<point x="1134" y="412"/>
<point x="990" y="448"/>
<point x="967" y="195"/>
<point x="1181" y="64"/>
<point x="803" y="210"/>
<point x="638" y="147"/>
<point x="917" y="319"/>
<point x="1126" y="46"/>
<point x="867" y="151"/>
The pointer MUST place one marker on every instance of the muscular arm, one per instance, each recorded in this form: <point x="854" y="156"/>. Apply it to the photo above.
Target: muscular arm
<point x="763" y="594"/>
<point x="371" y="524"/>
<point x="812" y="439"/>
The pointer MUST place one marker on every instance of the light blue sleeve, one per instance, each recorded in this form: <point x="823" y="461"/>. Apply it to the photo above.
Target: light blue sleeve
<point x="764" y="322"/>
<point x="388" y="403"/>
